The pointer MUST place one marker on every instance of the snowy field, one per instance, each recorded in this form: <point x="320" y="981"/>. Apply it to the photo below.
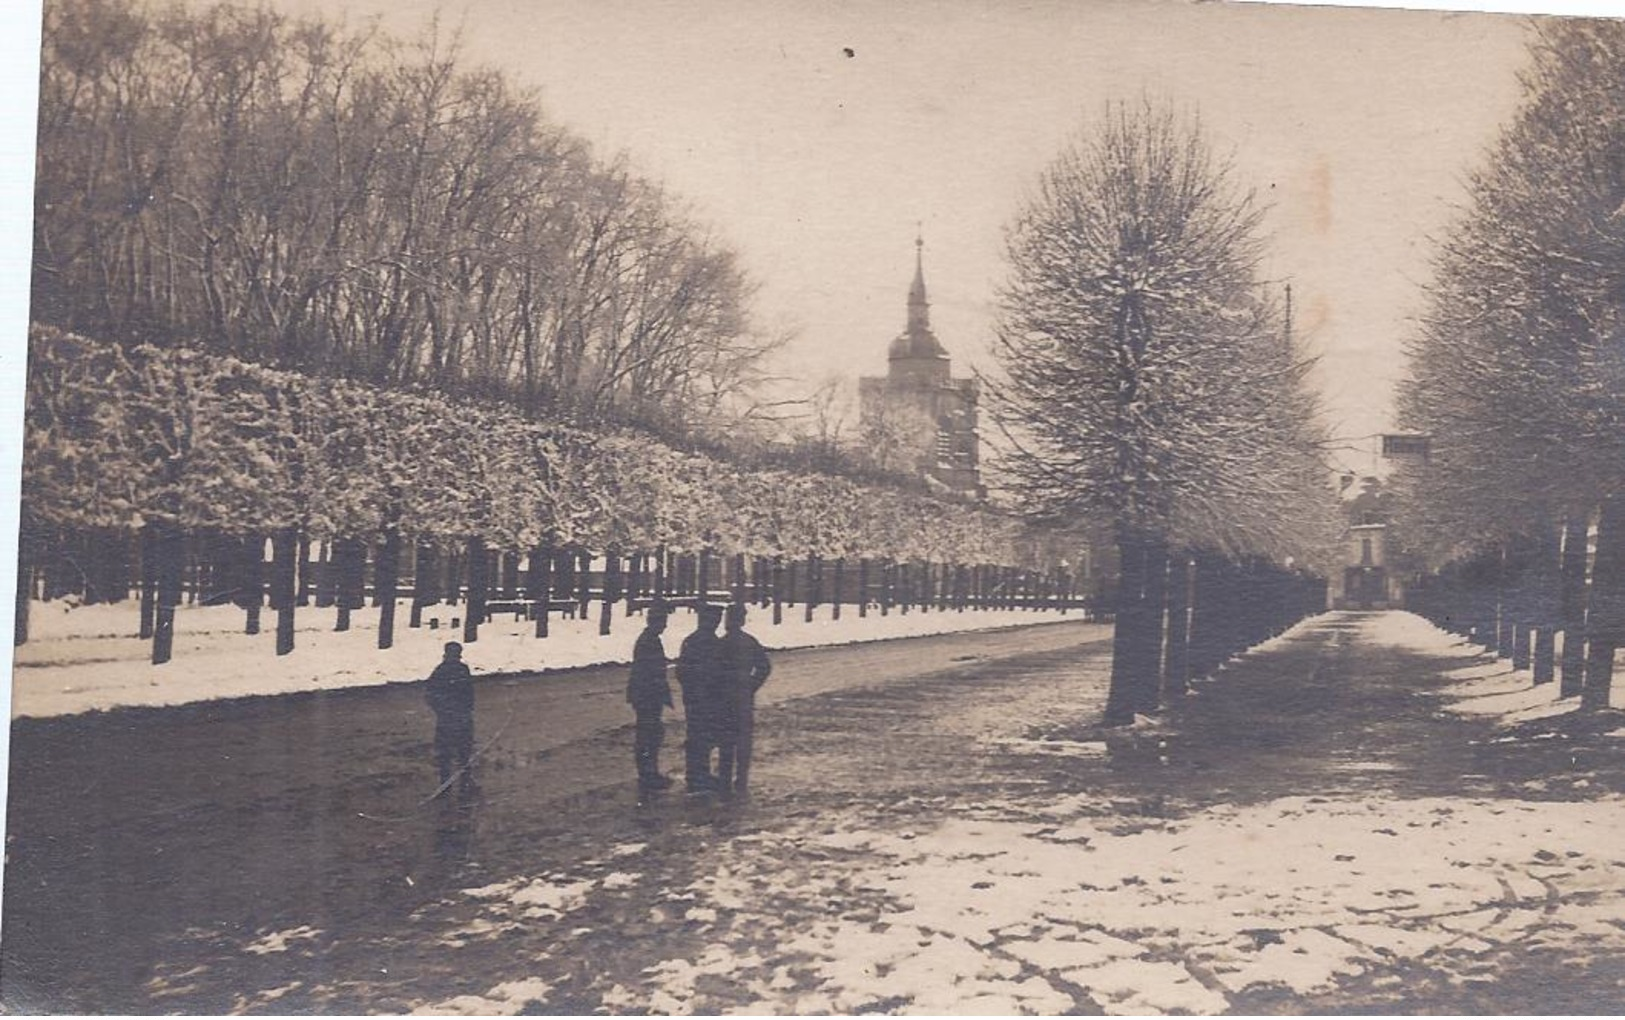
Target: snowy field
<point x="84" y="658"/>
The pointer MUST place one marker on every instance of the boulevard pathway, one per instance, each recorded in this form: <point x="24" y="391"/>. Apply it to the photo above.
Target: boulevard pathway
<point x="128" y="828"/>
<point x="1317" y="830"/>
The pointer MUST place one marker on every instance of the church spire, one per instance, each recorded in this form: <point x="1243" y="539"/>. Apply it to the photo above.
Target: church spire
<point x="919" y="309"/>
<point x="917" y="341"/>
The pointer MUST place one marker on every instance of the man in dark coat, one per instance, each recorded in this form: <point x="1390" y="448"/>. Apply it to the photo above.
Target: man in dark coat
<point x="745" y="668"/>
<point x="698" y="668"/>
<point x="650" y="695"/>
<point x="450" y="690"/>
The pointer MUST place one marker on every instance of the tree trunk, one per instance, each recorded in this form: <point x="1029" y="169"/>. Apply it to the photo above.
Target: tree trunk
<point x="285" y="552"/>
<point x="149" y="580"/>
<point x="1176" y="667"/>
<point x="1573" y="606"/>
<point x="510" y="574"/>
<point x="612" y="574"/>
<point x="1506" y="617"/>
<point x="304" y="572"/>
<point x="251" y="592"/>
<point x="815" y="582"/>
<point x="326" y="578"/>
<point x="1137" y="636"/>
<point x="349" y="564"/>
<point x="478" y="581"/>
<point x="1545" y="592"/>
<point x="1200" y="638"/>
<point x="171" y="554"/>
<point x="25" y="583"/>
<point x="1544" y="654"/>
<point x="778" y="590"/>
<point x="541" y="580"/>
<point x="425" y="577"/>
<point x="584" y="584"/>
<point x="634" y="581"/>
<point x="386" y="579"/>
<point x="1605" y="621"/>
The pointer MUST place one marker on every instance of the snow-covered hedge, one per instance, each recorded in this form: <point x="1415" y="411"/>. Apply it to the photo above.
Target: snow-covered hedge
<point x="117" y="437"/>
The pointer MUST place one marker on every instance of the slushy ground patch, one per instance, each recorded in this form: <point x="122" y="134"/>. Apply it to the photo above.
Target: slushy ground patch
<point x="1312" y="833"/>
<point x="84" y="658"/>
<point x="1015" y="909"/>
<point x="1487" y="686"/>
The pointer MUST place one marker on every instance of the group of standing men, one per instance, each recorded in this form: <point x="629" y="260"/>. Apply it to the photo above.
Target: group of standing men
<point x="719" y="676"/>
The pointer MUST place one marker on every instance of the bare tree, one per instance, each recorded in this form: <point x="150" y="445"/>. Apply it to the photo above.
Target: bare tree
<point x="346" y="203"/>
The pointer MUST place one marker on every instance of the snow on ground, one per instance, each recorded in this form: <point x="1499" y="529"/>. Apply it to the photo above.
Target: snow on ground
<point x="83" y="658"/>
<point x="1488" y="688"/>
<point x="1024" y="909"/>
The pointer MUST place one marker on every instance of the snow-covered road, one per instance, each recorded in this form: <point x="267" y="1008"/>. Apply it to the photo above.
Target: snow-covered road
<point x="1326" y="827"/>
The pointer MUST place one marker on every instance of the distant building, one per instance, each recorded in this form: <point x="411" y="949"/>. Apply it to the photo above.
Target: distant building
<point x="1366" y="580"/>
<point x="930" y="414"/>
<point x="1404" y="447"/>
<point x="1375" y="569"/>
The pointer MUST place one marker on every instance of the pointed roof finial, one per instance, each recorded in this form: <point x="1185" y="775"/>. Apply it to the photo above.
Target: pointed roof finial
<point x="917" y="304"/>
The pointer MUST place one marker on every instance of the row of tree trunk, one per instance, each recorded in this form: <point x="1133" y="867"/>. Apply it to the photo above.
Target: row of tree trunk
<point x="165" y="568"/>
<point x="1180" y="615"/>
<point x="1517" y="599"/>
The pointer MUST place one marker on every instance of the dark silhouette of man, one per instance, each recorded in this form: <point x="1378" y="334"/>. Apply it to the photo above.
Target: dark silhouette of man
<point x="745" y="667"/>
<point x="450" y="691"/>
<point x="698" y="668"/>
<point x="650" y="695"/>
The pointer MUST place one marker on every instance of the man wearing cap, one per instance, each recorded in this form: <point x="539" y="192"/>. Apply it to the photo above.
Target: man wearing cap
<point x="650" y="695"/>
<point x="698" y="671"/>
<point x="745" y="668"/>
<point x="450" y="693"/>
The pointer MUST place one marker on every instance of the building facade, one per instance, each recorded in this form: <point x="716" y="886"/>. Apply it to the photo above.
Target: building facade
<point x="931" y="414"/>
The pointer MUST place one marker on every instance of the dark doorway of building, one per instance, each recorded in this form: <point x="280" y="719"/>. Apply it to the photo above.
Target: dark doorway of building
<point x="1365" y="587"/>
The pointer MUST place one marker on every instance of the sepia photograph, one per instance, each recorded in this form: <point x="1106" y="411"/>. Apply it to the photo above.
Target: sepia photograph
<point x="934" y="507"/>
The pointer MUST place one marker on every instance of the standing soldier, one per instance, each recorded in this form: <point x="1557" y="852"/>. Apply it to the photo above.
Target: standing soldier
<point x="450" y="692"/>
<point x="698" y="667"/>
<point x="746" y="667"/>
<point x="650" y="695"/>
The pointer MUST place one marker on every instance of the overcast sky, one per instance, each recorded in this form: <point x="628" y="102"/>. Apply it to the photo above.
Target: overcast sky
<point x="815" y="136"/>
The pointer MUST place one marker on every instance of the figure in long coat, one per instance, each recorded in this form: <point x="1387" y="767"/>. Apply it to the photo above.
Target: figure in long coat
<point x="699" y="668"/>
<point x="746" y="668"/>
<point x="649" y="695"/>
<point x="450" y="693"/>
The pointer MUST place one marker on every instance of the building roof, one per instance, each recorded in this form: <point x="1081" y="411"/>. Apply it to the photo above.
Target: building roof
<point x="917" y="340"/>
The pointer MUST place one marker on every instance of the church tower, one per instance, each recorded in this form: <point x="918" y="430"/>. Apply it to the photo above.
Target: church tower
<point x="919" y="405"/>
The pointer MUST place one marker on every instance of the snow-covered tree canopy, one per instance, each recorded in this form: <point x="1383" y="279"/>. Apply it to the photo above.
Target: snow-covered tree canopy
<point x="1145" y="377"/>
<point x="1518" y="366"/>
<point x="118" y="436"/>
